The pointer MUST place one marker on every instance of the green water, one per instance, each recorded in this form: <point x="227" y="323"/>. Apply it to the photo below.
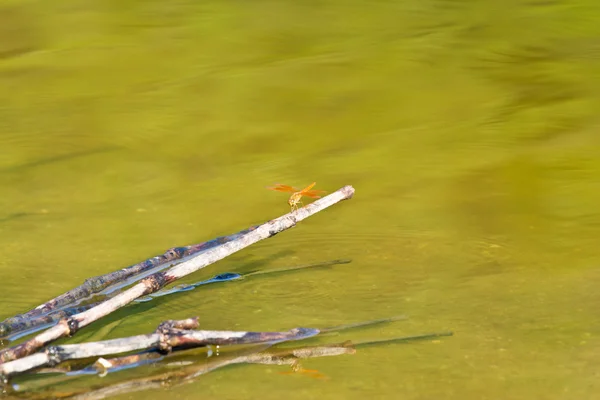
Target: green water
<point x="470" y="130"/>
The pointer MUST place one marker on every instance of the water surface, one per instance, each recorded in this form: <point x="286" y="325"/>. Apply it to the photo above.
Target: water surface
<point x="470" y="131"/>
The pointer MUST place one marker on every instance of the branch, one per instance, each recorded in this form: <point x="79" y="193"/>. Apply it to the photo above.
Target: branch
<point x="48" y="312"/>
<point x="194" y="368"/>
<point x="168" y="335"/>
<point x="155" y="282"/>
<point x="38" y="323"/>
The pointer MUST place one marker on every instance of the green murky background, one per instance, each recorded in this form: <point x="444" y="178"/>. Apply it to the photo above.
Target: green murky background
<point x="470" y="130"/>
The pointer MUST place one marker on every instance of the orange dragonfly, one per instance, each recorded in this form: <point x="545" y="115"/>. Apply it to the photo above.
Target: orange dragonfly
<point x="296" y="197"/>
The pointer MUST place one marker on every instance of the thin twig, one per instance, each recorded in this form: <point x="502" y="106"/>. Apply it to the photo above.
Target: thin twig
<point x="155" y="282"/>
<point x="405" y="339"/>
<point x="232" y="276"/>
<point x="298" y="267"/>
<point x="104" y="366"/>
<point x="169" y="335"/>
<point x="191" y="370"/>
<point x="357" y="325"/>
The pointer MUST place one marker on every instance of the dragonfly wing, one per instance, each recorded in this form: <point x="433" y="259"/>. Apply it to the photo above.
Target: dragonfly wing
<point x="306" y="189"/>
<point x="315" y="194"/>
<point x="283" y="188"/>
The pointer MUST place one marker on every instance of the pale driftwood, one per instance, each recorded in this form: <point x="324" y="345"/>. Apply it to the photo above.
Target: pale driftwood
<point x="104" y="366"/>
<point x="187" y="366"/>
<point x="155" y="282"/>
<point x="66" y="303"/>
<point x="170" y="334"/>
<point x="188" y="371"/>
<point x="22" y="327"/>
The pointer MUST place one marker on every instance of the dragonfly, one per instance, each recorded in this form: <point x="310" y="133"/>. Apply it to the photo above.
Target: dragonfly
<point x="296" y="197"/>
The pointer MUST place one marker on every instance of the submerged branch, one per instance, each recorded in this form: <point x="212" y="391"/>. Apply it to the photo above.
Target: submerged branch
<point x="191" y="367"/>
<point x="169" y="335"/>
<point x="39" y="323"/>
<point x="104" y="366"/>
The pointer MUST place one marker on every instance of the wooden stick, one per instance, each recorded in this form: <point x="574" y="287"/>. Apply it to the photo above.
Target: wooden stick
<point x="185" y="374"/>
<point x="153" y="283"/>
<point x="38" y="323"/>
<point x="168" y="335"/>
<point x="190" y="371"/>
<point x="103" y="365"/>
<point x="93" y="286"/>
